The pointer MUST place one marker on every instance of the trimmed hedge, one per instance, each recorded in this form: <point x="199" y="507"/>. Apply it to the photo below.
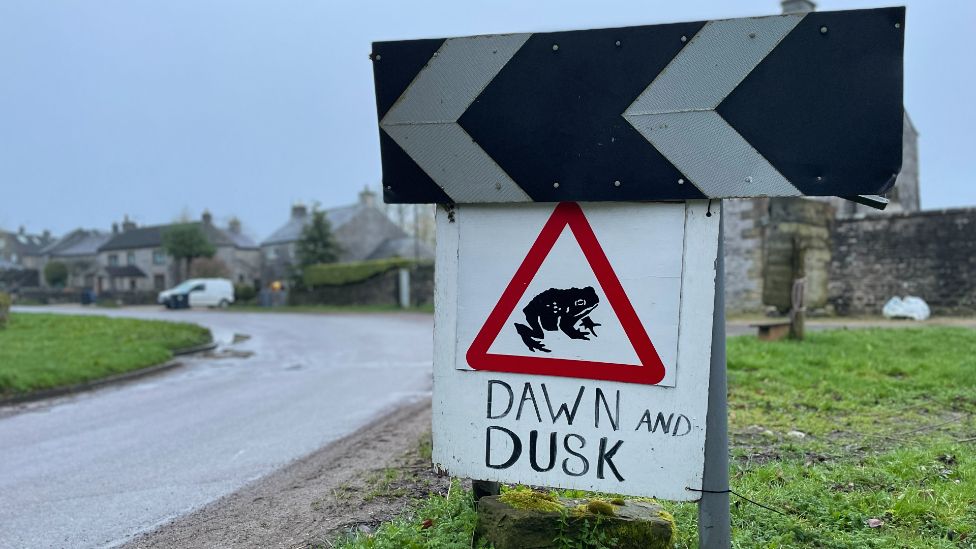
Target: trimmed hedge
<point x="56" y="274"/>
<point x="340" y="274"/>
<point x="4" y="309"/>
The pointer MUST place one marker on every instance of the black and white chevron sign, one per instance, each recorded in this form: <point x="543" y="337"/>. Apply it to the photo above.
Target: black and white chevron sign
<point x="790" y="105"/>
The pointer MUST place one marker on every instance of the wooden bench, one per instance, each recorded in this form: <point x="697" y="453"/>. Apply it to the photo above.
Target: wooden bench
<point x="773" y="330"/>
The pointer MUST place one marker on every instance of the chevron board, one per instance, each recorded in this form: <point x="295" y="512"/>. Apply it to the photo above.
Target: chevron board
<point x="789" y="105"/>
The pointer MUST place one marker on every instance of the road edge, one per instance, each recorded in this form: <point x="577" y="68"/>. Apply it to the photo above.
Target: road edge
<point x="274" y="511"/>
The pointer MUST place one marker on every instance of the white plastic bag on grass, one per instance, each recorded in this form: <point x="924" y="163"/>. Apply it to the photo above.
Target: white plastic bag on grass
<point x="910" y="307"/>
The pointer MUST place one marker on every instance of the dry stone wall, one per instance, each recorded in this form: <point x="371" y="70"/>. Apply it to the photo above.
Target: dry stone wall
<point x="929" y="254"/>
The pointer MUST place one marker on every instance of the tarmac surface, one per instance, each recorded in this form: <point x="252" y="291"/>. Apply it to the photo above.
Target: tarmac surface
<point x="97" y="468"/>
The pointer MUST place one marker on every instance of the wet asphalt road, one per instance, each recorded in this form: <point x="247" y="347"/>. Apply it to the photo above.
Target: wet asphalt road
<point x="97" y="468"/>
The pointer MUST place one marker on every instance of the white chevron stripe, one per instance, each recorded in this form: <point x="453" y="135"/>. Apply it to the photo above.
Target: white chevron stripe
<point x="711" y="154"/>
<point x="676" y="112"/>
<point x="423" y="121"/>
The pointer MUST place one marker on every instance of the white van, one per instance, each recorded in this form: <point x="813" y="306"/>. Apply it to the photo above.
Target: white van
<point x="198" y="292"/>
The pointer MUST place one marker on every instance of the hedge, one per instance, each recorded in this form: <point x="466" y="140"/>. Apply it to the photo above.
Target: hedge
<point x="339" y="274"/>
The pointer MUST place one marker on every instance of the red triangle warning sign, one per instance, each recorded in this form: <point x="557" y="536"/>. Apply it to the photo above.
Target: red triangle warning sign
<point x="650" y="371"/>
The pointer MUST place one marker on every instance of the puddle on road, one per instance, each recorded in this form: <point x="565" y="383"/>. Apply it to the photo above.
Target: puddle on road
<point x="227" y="353"/>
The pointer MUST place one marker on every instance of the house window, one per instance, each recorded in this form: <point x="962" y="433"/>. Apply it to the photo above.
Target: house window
<point x="159" y="282"/>
<point x="113" y="260"/>
<point x="132" y="284"/>
<point x="130" y="258"/>
<point x="159" y="257"/>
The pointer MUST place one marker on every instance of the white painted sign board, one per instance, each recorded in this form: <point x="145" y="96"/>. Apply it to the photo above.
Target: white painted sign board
<point x="572" y="344"/>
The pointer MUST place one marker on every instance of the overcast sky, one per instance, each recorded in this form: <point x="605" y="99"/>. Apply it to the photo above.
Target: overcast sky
<point x="153" y="109"/>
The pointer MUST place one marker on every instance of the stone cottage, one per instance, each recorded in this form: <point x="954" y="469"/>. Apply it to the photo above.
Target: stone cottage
<point x="362" y="231"/>
<point x="78" y="250"/>
<point x="22" y="248"/>
<point x="133" y="258"/>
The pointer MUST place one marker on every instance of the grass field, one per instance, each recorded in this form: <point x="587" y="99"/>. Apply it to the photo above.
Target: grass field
<point x="42" y="351"/>
<point x="860" y="438"/>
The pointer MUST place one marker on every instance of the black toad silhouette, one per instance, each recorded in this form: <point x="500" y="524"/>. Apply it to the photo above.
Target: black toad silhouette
<point x="556" y="309"/>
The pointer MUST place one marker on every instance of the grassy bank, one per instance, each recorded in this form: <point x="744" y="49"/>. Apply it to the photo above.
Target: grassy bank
<point x="856" y="439"/>
<point x="43" y="351"/>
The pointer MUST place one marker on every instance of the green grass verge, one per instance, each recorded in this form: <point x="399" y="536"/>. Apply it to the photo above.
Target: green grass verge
<point x="44" y="351"/>
<point x="888" y="419"/>
<point x="445" y="522"/>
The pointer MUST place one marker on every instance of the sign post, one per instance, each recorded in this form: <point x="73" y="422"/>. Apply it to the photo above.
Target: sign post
<point x="714" y="519"/>
<point x="579" y="285"/>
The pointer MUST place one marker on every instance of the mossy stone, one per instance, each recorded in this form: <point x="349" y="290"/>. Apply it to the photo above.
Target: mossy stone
<point x="634" y="524"/>
<point x="531" y="501"/>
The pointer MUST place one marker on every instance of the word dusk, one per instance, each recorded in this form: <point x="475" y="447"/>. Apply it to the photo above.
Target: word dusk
<point x="570" y="353"/>
<point x="555" y="436"/>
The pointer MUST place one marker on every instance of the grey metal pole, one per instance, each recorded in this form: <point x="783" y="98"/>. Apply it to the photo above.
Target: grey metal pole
<point x="714" y="520"/>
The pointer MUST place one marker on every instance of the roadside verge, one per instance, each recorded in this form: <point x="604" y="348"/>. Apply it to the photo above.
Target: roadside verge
<point x="44" y="355"/>
<point x="110" y="380"/>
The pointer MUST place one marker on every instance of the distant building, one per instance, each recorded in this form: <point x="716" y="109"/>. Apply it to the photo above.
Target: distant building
<point x="20" y="248"/>
<point x="133" y="258"/>
<point x="78" y="250"/>
<point x="362" y="231"/>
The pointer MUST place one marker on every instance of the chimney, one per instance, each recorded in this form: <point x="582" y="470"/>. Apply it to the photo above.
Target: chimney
<point x="115" y="228"/>
<point x="127" y="224"/>
<point x="299" y="211"/>
<point x="21" y="230"/>
<point x="798" y="6"/>
<point x="206" y="218"/>
<point x="234" y="225"/>
<point x="46" y="234"/>
<point x="367" y="198"/>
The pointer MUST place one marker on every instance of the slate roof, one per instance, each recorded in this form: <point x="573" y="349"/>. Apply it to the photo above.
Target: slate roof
<point x="77" y="243"/>
<point x="240" y="240"/>
<point x="398" y="243"/>
<point x="404" y="247"/>
<point x="30" y="244"/>
<point x="292" y="230"/>
<point x="152" y="237"/>
<point x="125" y="271"/>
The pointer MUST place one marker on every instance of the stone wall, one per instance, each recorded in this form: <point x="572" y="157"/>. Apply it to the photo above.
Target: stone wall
<point x="766" y="241"/>
<point x="797" y="241"/>
<point x="19" y="278"/>
<point x="60" y="296"/>
<point x="929" y="254"/>
<point x="382" y="289"/>
<point x="744" y="225"/>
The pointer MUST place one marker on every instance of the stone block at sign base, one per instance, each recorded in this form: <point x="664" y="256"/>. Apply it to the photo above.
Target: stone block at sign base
<point x="533" y="520"/>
